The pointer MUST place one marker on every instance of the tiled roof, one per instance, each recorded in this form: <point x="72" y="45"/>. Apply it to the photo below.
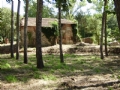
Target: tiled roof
<point x="46" y="22"/>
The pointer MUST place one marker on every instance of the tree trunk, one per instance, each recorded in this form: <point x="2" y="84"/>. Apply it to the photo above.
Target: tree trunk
<point x="102" y="33"/>
<point x="60" y="36"/>
<point x="18" y="29"/>
<point x="25" y="33"/>
<point x="12" y="29"/>
<point x="40" y="63"/>
<point x="117" y="10"/>
<point x="106" y="53"/>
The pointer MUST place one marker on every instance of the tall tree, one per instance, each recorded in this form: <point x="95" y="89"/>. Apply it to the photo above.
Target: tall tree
<point x="117" y="10"/>
<point x="1" y="20"/>
<point x="64" y="6"/>
<point x="12" y="27"/>
<point x="102" y="31"/>
<point x="25" y="32"/>
<point x="60" y="4"/>
<point x="40" y="63"/>
<point x="60" y="36"/>
<point x="105" y="1"/>
<point x="18" y="29"/>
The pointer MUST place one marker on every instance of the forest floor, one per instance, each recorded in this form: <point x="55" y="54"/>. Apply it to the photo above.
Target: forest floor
<point x="83" y="70"/>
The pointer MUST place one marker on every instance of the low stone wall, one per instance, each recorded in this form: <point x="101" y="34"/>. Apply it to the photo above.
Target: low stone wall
<point x="84" y="49"/>
<point x="114" y="50"/>
<point x="66" y="49"/>
<point x="6" y="49"/>
<point x="87" y="40"/>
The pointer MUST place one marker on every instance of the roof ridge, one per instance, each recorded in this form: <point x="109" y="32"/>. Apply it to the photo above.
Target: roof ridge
<point x="46" y="22"/>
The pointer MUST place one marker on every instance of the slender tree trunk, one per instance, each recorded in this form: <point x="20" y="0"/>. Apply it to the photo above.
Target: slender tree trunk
<point x="12" y="29"/>
<point x="102" y="33"/>
<point x="25" y="32"/>
<point x="117" y="10"/>
<point x="106" y="53"/>
<point x="40" y="63"/>
<point x="101" y="42"/>
<point x="60" y="36"/>
<point x="18" y="29"/>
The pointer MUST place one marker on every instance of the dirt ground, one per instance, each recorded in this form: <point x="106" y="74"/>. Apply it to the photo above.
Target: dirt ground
<point x="94" y="82"/>
<point x="86" y="81"/>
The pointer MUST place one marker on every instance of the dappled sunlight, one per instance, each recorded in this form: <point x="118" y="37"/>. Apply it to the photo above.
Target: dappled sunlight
<point x="77" y="68"/>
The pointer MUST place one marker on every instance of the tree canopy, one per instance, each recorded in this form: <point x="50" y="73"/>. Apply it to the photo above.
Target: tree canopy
<point x="5" y="25"/>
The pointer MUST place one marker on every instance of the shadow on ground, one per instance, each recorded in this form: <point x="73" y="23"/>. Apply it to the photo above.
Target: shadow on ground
<point x="76" y="72"/>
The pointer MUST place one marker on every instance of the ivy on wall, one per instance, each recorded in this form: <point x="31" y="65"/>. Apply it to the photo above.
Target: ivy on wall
<point x="55" y="26"/>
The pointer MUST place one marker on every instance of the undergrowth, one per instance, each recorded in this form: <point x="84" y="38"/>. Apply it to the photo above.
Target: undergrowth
<point x="13" y="70"/>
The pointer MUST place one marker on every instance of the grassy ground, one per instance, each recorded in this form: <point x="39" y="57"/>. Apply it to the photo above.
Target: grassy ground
<point x="76" y="72"/>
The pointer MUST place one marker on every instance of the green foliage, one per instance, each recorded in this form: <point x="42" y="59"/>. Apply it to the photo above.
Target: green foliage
<point x="95" y="58"/>
<point x="29" y="35"/>
<point x="110" y="7"/>
<point x="48" y="77"/>
<point x="49" y="33"/>
<point x="82" y="62"/>
<point x="89" y="26"/>
<point x="97" y="70"/>
<point x="113" y="31"/>
<point x="98" y="6"/>
<point x="110" y="88"/>
<point x="5" y="66"/>
<point x="8" y="1"/>
<point x="5" y="25"/>
<point x="6" y="22"/>
<point x="89" y="1"/>
<point x="55" y="26"/>
<point x="11" y="78"/>
<point x="73" y="9"/>
<point x="74" y="65"/>
<point x="118" y="76"/>
<point x="47" y="12"/>
<point x="36" y="75"/>
<point x="0" y="17"/>
<point x="34" y="68"/>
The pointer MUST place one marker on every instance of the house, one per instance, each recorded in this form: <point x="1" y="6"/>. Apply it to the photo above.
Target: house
<point x="48" y="31"/>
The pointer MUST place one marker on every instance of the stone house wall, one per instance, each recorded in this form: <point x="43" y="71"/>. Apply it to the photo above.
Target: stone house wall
<point x="31" y="39"/>
<point x="67" y="34"/>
